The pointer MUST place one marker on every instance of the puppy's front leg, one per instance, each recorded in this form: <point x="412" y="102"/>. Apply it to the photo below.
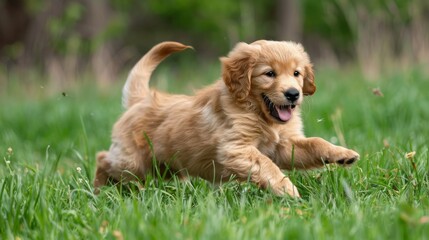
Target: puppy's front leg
<point x="305" y="153"/>
<point x="248" y="163"/>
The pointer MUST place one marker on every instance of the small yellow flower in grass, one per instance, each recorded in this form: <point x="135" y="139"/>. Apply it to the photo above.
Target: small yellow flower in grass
<point x="377" y="92"/>
<point x="410" y="155"/>
<point x="386" y="143"/>
<point x="78" y="169"/>
<point x="103" y="227"/>
<point x="9" y="150"/>
<point x="118" y="235"/>
<point x="424" y="220"/>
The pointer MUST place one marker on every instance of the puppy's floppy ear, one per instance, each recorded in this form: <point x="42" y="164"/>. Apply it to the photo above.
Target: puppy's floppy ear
<point x="309" y="85"/>
<point x="237" y="69"/>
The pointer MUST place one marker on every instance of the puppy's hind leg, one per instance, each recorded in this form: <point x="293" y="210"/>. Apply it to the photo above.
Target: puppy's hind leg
<point x="101" y="174"/>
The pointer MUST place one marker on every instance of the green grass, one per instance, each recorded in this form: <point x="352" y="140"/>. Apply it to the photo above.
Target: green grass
<point x="48" y="142"/>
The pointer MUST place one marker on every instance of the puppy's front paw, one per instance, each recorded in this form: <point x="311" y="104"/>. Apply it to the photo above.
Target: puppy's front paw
<point x="285" y="187"/>
<point x="343" y="156"/>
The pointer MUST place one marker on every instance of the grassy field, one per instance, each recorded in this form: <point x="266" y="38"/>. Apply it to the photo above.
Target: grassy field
<point x="48" y="140"/>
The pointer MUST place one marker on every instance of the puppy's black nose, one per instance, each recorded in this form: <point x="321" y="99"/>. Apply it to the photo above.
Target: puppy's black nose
<point x="292" y="94"/>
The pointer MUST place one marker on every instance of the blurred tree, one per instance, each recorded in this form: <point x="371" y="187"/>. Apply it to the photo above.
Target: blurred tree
<point x="289" y="22"/>
<point x="65" y="38"/>
<point x="14" y="21"/>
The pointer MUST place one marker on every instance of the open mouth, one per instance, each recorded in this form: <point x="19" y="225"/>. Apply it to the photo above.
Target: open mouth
<point x="282" y="113"/>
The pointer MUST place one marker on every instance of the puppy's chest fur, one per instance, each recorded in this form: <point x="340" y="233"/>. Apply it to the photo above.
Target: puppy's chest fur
<point x="268" y="140"/>
<point x="273" y="136"/>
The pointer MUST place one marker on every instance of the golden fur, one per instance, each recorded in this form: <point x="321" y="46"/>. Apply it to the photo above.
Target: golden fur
<point x="246" y="125"/>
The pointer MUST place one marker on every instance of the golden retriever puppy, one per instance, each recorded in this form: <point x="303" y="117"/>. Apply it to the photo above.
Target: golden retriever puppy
<point x="246" y="125"/>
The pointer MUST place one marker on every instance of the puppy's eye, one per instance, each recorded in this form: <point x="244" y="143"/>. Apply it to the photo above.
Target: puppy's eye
<point x="296" y="73"/>
<point x="270" y="74"/>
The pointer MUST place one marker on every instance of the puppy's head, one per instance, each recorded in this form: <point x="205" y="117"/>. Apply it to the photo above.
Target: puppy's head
<point x="272" y="75"/>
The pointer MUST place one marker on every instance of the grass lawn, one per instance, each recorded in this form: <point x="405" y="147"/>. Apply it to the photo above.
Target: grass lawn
<point x="48" y="142"/>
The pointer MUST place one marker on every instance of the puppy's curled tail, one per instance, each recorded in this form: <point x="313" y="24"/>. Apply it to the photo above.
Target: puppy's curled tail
<point x="137" y="84"/>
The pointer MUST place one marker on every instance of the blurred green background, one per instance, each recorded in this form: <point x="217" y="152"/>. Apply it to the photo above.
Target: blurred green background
<point x="63" y="40"/>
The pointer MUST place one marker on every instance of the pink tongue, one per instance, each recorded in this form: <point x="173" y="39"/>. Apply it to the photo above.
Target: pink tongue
<point x="284" y="114"/>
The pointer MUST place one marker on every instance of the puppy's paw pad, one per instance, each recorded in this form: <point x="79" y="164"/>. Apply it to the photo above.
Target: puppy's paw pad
<point x="351" y="161"/>
<point x="348" y="161"/>
<point x="341" y="161"/>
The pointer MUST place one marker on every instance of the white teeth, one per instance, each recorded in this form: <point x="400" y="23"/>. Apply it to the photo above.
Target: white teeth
<point x="283" y="107"/>
<point x="271" y="106"/>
